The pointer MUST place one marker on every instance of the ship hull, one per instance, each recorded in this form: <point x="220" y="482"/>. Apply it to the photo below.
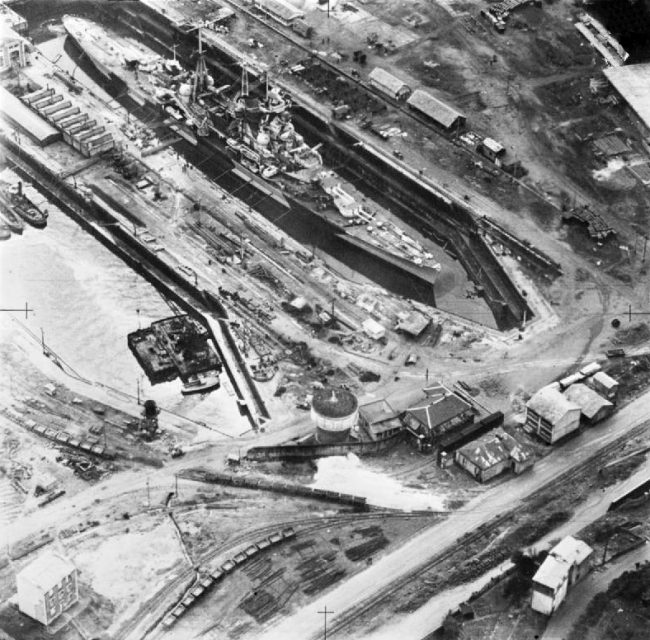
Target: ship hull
<point x="119" y="85"/>
<point x="427" y="274"/>
<point x="103" y="69"/>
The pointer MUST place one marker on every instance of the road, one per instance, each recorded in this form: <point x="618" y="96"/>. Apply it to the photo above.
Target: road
<point x="305" y="623"/>
<point x="596" y="582"/>
<point x="431" y="615"/>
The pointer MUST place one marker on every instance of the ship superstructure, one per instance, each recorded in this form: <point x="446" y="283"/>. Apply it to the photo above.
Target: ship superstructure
<point x="255" y="130"/>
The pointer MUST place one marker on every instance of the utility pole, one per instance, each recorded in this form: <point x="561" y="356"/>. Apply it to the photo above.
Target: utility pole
<point x="148" y="493"/>
<point x="325" y="613"/>
<point x="629" y="313"/>
<point x="176" y="485"/>
<point x="138" y="387"/>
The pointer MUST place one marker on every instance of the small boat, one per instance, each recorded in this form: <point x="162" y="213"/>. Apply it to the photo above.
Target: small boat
<point x="11" y="220"/>
<point x="33" y="216"/>
<point x="25" y="208"/>
<point x="5" y="232"/>
<point x="201" y="383"/>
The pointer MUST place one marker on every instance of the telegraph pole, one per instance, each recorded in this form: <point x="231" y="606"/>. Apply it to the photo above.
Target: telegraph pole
<point x="325" y="613"/>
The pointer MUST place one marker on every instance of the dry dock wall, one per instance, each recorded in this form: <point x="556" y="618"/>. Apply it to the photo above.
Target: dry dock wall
<point x="149" y="265"/>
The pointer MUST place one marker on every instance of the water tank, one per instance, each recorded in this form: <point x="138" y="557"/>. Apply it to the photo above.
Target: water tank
<point x="334" y="412"/>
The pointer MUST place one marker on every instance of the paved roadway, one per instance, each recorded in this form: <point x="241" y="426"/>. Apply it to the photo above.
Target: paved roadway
<point x="432" y="614"/>
<point x="306" y="623"/>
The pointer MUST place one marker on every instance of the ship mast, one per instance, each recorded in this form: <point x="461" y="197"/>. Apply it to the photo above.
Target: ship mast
<point x="201" y="73"/>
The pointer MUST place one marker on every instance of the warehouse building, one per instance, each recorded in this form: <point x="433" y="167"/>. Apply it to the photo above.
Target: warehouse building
<point x="47" y="587"/>
<point x="632" y="83"/>
<point x="436" y="110"/>
<point x="550" y="415"/>
<point x="280" y="10"/>
<point x="389" y="84"/>
<point x="593" y="406"/>
<point x="567" y="563"/>
<point x="494" y="453"/>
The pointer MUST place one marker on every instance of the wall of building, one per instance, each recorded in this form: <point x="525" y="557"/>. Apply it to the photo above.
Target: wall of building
<point x="546" y="600"/>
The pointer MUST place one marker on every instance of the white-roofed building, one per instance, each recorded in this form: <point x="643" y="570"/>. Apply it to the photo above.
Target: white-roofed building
<point x="373" y="329"/>
<point x="440" y="112"/>
<point x="491" y="149"/>
<point x="47" y="587"/>
<point x="281" y="10"/>
<point x="633" y="84"/>
<point x="567" y="562"/>
<point x="605" y="385"/>
<point x="593" y="406"/>
<point x="550" y="415"/>
<point x="388" y="83"/>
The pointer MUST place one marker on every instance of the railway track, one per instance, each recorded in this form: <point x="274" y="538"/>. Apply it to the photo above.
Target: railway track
<point x="343" y="622"/>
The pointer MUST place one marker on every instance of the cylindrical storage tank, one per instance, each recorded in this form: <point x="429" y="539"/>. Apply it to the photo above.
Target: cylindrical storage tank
<point x="334" y="412"/>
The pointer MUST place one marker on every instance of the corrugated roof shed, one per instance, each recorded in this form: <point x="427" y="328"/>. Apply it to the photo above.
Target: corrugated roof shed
<point x="440" y="411"/>
<point x="434" y="108"/>
<point x="550" y="404"/>
<point x="633" y="83"/>
<point x="387" y="81"/>
<point x="24" y="118"/>
<point x="587" y="399"/>
<point x="495" y="447"/>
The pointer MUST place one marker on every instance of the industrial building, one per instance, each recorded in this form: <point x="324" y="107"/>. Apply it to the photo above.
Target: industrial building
<point x="13" y="49"/>
<point x="47" y="587"/>
<point x="492" y="149"/>
<point x="283" y="12"/>
<point x="26" y="121"/>
<point x="494" y="453"/>
<point x="334" y="412"/>
<point x="389" y="84"/>
<point x="380" y="420"/>
<point x="593" y="406"/>
<point x="632" y="83"/>
<point x="436" y="110"/>
<point x="440" y="412"/>
<point x="567" y="563"/>
<point x="373" y="329"/>
<point x="605" y="385"/>
<point x="550" y="415"/>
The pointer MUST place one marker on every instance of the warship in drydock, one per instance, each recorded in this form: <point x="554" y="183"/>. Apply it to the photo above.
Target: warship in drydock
<point x="254" y="129"/>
